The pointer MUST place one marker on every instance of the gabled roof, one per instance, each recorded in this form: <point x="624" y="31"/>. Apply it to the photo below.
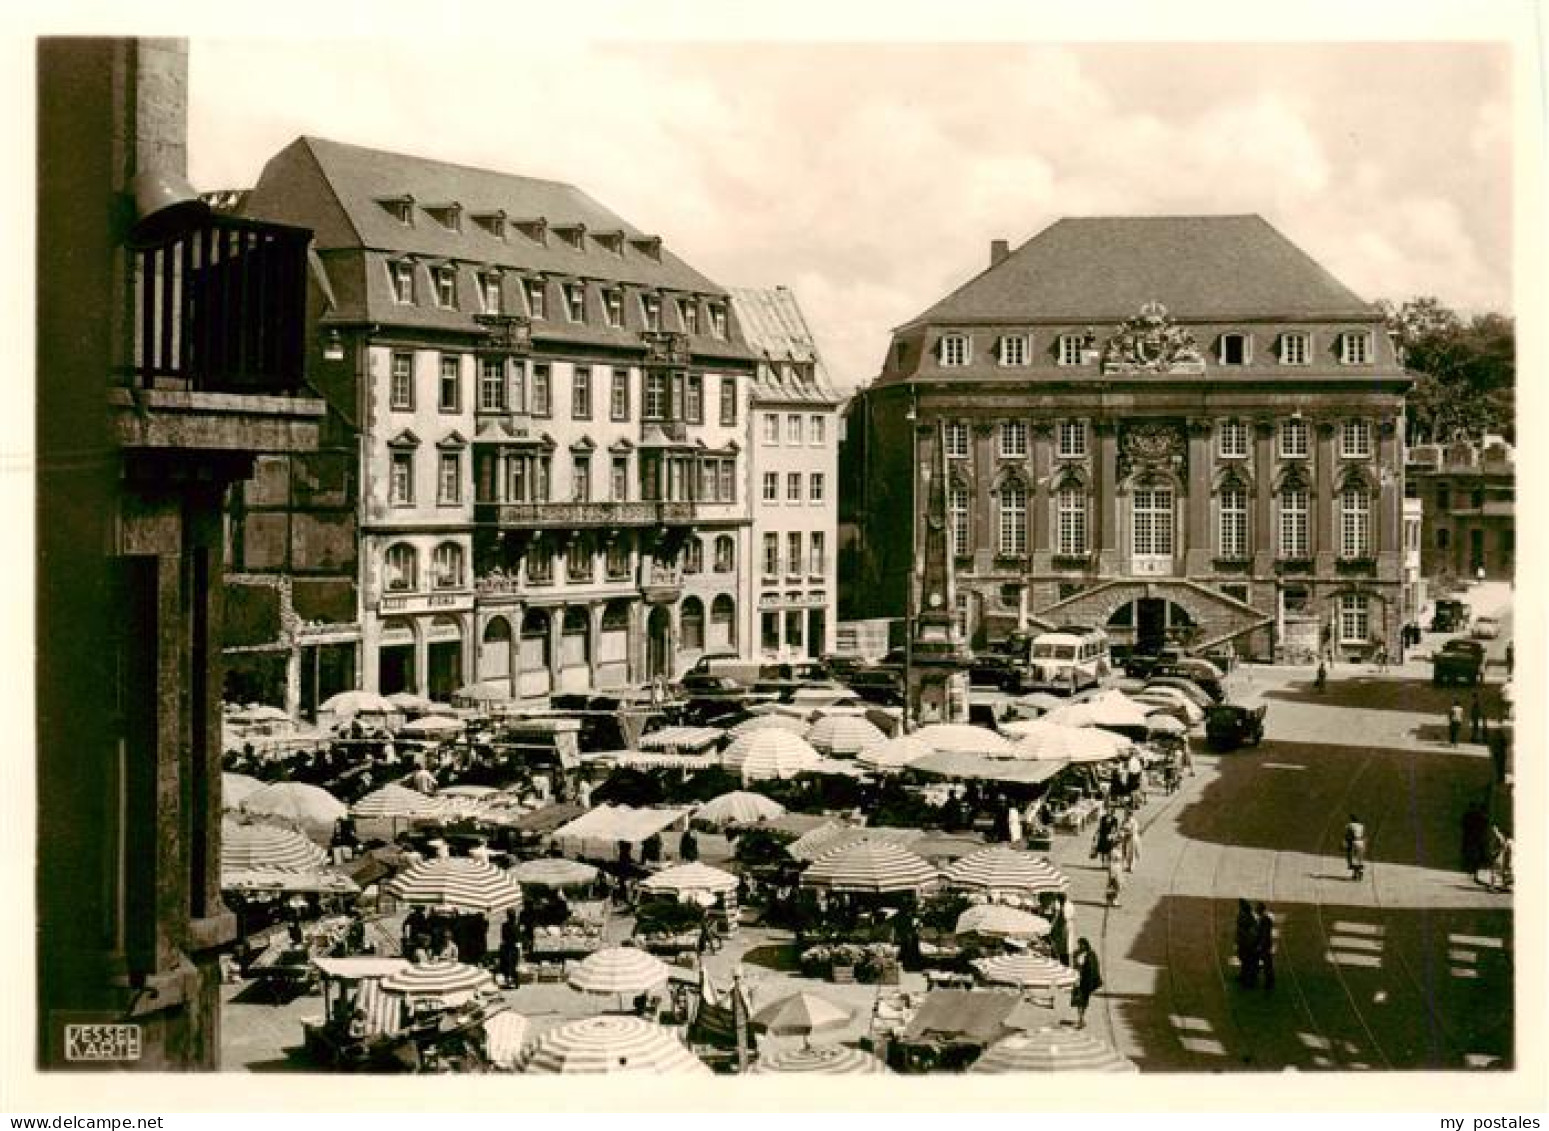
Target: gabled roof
<point x="360" y="179"/>
<point x="776" y="330"/>
<point x="1101" y="269"/>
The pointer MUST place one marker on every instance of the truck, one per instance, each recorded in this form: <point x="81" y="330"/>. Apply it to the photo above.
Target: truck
<point x="1458" y="661"/>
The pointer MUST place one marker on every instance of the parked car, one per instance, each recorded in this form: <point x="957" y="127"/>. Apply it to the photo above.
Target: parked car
<point x="1486" y="628"/>
<point x="1451" y="616"/>
<point x="1202" y="699"/>
<point x="1197" y="672"/>
<point x="881" y="685"/>
<point x="1458" y="661"/>
<point x="1228" y="726"/>
<point x="1173" y="701"/>
<point x="840" y="665"/>
<point x="996" y="665"/>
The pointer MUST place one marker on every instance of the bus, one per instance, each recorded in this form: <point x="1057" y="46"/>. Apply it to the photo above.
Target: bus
<point x="1068" y="659"/>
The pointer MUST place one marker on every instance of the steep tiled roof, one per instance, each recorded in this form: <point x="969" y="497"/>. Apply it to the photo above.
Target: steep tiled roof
<point x="776" y="330"/>
<point x="361" y="179"/>
<point x="1101" y="269"/>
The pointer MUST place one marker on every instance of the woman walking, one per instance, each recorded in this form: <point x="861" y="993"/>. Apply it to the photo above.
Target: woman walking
<point x="1103" y="843"/>
<point x="1247" y="945"/>
<point x="1129" y="841"/>
<point x="1355" y="847"/>
<point x="1060" y="927"/>
<point x="1089" y="979"/>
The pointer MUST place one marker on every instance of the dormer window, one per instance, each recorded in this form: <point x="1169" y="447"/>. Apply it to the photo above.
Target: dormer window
<point x="1013" y="350"/>
<point x="537" y="305"/>
<point x="572" y="234"/>
<point x="575" y="302"/>
<point x="1071" y="346"/>
<point x="648" y="246"/>
<point x="954" y="350"/>
<point x="1294" y="349"/>
<point x="1355" y="348"/>
<point x="403" y="282"/>
<point x="613" y="306"/>
<point x="718" y="320"/>
<point x="1234" y="349"/>
<point x="446" y="287"/>
<point x="535" y="230"/>
<point x="492" y="222"/>
<point x="688" y="311"/>
<point x="611" y="241"/>
<point x="651" y="311"/>
<point x="400" y="208"/>
<point x="489" y="288"/>
<point x="449" y="216"/>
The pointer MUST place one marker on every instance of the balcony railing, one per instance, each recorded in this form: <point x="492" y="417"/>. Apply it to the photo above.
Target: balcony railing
<point x="566" y="516"/>
<point x="222" y="309"/>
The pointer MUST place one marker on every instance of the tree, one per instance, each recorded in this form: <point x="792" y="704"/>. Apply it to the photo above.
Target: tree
<point x="1465" y="371"/>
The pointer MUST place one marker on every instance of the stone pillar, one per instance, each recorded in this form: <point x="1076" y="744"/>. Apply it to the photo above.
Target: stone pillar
<point x="421" y="654"/>
<point x="1198" y="549"/>
<point x="1264" y="540"/>
<point x="1387" y="530"/>
<point x="593" y="639"/>
<point x="293" y="676"/>
<point x="1105" y="512"/>
<point x="1040" y="499"/>
<point x="556" y="643"/>
<point x="983" y="526"/>
<point x="1325" y="546"/>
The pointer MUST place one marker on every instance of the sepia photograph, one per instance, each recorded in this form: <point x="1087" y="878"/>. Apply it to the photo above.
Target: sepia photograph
<point x="716" y="555"/>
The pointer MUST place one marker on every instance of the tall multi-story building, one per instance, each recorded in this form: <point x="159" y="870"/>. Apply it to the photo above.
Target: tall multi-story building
<point x="550" y="412"/>
<point x="1167" y="427"/>
<point x="1470" y="493"/>
<point x="793" y="444"/>
<point x="171" y="345"/>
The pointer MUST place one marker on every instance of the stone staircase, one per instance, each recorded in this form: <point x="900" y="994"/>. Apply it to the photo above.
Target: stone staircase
<point x="1220" y="618"/>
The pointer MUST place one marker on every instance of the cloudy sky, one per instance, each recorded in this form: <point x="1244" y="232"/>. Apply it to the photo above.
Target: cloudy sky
<point x="870" y="178"/>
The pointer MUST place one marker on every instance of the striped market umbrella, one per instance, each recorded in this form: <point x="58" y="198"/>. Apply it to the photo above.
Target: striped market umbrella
<point x="995" y="920"/>
<point x="618" y="970"/>
<point x="826" y="1060"/>
<point x="770" y="754"/>
<point x="1051" y="1050"/>
<point x="610" y="1043"/>
<point x="446" y="980"/>
<point x="773" y="721"/>
<point x="844" y="734"/>
<point x="999" y="868"/>
<point x="895" y="753"/>
<point x="1164" y="724"/>
<point x="394" y="800"/>
<point x="553" y="872"/>
<point x="234" y="787"/>
<point x="1026" y="971"/>
<point x="739" y="807"/>
<point x="875" y="866"/>
<point x="1047" y="741"/>
<point x="961" y="738"/>
<point x="801" y="1015"/>
<point x="246" y="847"/>
<point x="504" y="1035"/>
<point x="310" y="806"/>
<point x="456" y="881"/>
<point x="690" y="877"/>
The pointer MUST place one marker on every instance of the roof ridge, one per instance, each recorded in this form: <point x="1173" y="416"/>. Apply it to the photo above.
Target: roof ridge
<point x="314" y="139"/>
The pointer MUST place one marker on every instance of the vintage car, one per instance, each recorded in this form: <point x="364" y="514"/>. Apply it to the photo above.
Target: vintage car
<point x="1458" y="661"/>
<point x="1228" y="726"/>
<point x="1451" y="616"/>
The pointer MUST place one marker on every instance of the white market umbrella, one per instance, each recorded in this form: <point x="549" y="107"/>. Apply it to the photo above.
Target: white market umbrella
<point x="825" y="1060"/>
<point x="1110" y="709"/>
<point x="455" y="881"/>
<point x="999" y="868"/>
<point x="618" y="970"/>
<point x="1026" y="971"/>
<point x="504" y="1035"/>
<point x="246" y="847"/>
<point x="309" y="806"/>
<point x="996" y="920"/>
<point x="802" y="1015"/>
<point x="234" y="787"/>
<point x="608" y="1044"/>
<point x="961" y="738"/>
<point x="894" y="753"/>
<point x="432" y="726"/>
<point x="553" y="872"/>
<point x="770" y="754"/>
<point x="394" y="800"/>
<point x="1050" y="1050"/>
<point x="409" y="701"/>
<point x="773" y="721"/>
<point x="740" y="807"/>
<point x="844" y="734"/>
<point x="348" y="703"/>
<point x="873" y="866"/>
<point x="1164" y="724"/>
<point x="1046" y="741"/>
<point x="690" y="878"/>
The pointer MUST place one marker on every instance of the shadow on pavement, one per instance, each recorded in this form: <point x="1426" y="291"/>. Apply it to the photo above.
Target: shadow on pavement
<point x="1387" y="693"/>
<point x="1351" y="990"/>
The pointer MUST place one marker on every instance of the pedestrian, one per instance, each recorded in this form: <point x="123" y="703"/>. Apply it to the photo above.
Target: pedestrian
<point x="1089" y="979"/>
<point x="1247" y="945"/>
<point x="1476" y="840"/>
<point x="1475" y="719"/>
<point x="1264" y="945"/>
<point x="1059" y="929"/>
<point x="1510" y="658"/>
<point x="1382" y="657"/>
<point x="1186" y="754"/>
<point x="1102" y="843"/>
<point x="1115" y="881"/>
<point x="1320" y="681"/>
<point x="1500" y="860"/>
<point x="1355" y="847"/>
<point x="1135" y="779"/>
<point x="1013" y="825"/>
<point x="688" y="847"/>
<point x="1129" y="841"/>
<point x="1454" y="721"/>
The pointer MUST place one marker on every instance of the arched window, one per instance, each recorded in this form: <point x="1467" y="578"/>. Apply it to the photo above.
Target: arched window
<point x="615" y="616"/>
<point x="1232" y="520"/>
<point x="446" y="566"/>
<point x="1013" y="518"/>
<point x="497" y="631"/>
<point x="957" y="517"/>
<point x="1070" y="516"/>
<point x="723" y="622"/>
<point x="725" y="554"/>
<point x="401" y="567"/>
<point x="1355" y="521"/>
<point x="694" y="556"/>
<point x="692" y="621"/>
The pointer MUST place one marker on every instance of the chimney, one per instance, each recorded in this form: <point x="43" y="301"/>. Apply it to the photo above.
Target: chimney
<point x="999" y="250"/>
